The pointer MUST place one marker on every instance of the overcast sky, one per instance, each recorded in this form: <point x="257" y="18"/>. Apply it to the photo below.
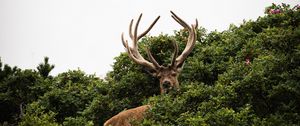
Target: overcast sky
<point x="85" y="34"/>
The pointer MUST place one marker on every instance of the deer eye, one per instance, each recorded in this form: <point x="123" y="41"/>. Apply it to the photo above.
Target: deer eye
<point x="173" y="73"/>
<point x="158" y="76"/>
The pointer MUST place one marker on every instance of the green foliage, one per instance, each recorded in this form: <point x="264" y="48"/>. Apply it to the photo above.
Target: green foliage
<point x="18" y="88"/>
<point x="36" y="116"/>
<point x="45" y="68"/>
<point x="246" y="75"/>
<point x="78" y="121"/>
<point x="70" y="95"/>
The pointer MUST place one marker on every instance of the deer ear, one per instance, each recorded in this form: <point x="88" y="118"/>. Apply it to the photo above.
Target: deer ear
<point x="179" y="69"/>
<point x="151" y="72"/>
<point x="154" y="74"/>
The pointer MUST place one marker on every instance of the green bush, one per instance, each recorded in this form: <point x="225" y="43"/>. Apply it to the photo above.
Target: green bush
<point x="246" y="75"/>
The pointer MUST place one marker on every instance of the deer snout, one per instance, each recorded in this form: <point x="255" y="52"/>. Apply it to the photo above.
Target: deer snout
<point x="166" y="84"/>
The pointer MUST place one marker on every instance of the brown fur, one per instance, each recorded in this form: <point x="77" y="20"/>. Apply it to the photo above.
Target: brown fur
<point x="125" y="117"/>
<point x="168" y="76"/>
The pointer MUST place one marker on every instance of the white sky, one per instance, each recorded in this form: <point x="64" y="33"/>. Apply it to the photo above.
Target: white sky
<point x="85" y="34"/>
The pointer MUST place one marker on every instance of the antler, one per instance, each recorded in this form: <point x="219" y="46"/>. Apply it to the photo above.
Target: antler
<point x="176" y="60"/>
<point x="190" y="43"/>
<point x="133" y="51"/>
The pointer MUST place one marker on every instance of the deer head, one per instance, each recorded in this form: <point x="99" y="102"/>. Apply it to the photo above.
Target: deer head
<point x="167" y="74"/>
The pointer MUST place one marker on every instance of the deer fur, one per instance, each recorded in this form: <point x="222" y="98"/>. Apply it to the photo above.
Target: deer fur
<point x="124" y="118"/>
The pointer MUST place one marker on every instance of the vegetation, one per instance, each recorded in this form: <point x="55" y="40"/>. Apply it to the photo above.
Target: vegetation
<point x="246" y="75"/>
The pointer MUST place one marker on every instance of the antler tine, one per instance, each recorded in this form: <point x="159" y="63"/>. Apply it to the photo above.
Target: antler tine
<point x="123" y="40"/>
<point x="180" y="21"/>
<point x="130" y="29"/>
<point x="188" y="49"/>
<point x="133" y="51"/>
<point x="150" y="56"/>
<point x="191" y="39"/>
<point x="139" y="61"/>
<point x="149" y="28"/>
<point x="196" y="25"/>
<point x="136" y="29"/>
<point x="175" y="54"/>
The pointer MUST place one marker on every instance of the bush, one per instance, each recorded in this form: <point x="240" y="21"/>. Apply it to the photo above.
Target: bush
<point x="246" y="75"/>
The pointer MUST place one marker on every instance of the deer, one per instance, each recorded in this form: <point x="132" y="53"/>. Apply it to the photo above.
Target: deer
<point x="167" y="75"/>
